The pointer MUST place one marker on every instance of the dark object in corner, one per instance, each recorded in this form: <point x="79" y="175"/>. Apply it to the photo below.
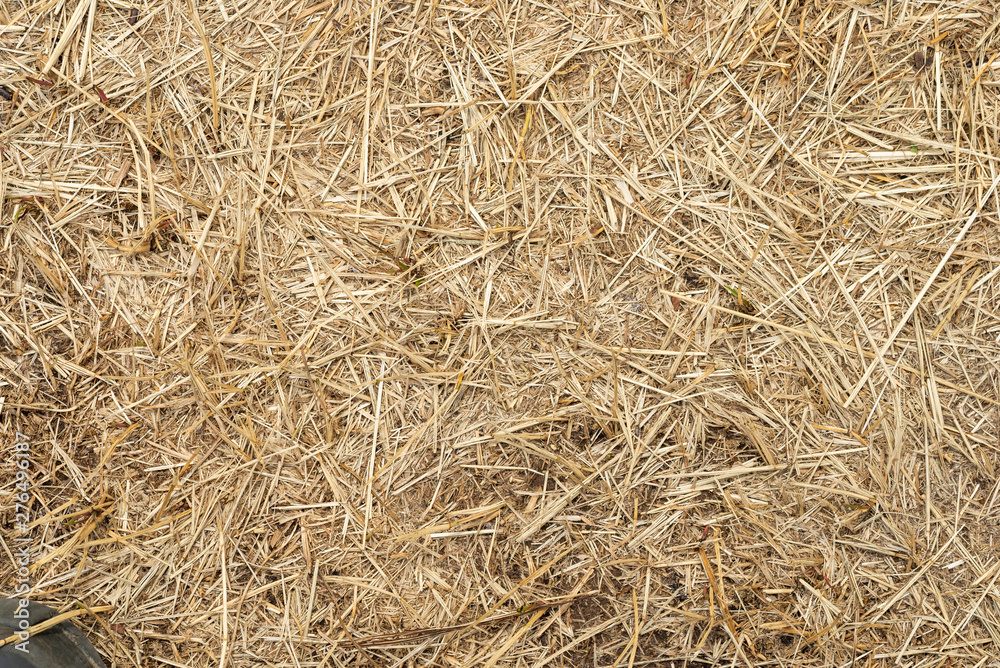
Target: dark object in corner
<point x="5" y="93"/>
<point x="62" y="646"/>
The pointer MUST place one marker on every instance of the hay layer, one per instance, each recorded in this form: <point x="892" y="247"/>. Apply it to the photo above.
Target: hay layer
<point x="505" y="333"/>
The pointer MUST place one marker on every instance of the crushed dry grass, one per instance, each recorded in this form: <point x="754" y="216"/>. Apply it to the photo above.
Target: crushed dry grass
<point x="510" y="333"/>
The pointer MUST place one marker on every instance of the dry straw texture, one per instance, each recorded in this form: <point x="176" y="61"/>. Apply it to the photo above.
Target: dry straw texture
<point x="509" y="333"/>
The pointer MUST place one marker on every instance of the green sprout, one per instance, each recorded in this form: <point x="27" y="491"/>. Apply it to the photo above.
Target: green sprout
<point x="743" y="305"/>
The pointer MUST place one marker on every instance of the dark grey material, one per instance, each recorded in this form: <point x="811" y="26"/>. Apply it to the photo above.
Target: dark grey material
<point x="62" y="646"/>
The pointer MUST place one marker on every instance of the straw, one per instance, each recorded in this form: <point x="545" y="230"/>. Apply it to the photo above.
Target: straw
<point x="504" y="334"/>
